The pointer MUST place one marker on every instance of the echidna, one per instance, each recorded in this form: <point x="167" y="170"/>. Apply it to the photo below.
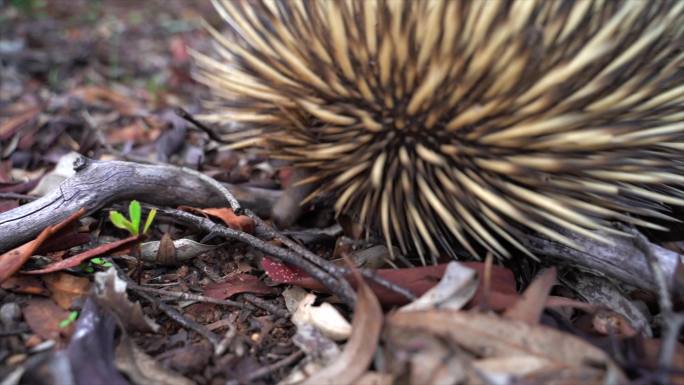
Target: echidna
<point x="457" y="123"/>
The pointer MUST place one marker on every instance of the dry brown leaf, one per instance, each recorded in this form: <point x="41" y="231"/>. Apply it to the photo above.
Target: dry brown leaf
<point x="454" y="290"/>
<point x="490" y="336"/>
<point x="100" y="94"/>
<point x="84" y="256"/>
<point x="358" y="352"/>
<point x="375" y="378"/>
<point x="43" y="317"/>
<point x="110" y="293"/>
<point x="419" y="357"/>
<point x="235" y="222"/>
<point x="136" y="132"/>
<point x="12" y="124"/>
<point x="166" y="253"/>
<point x="236" y="284"/>
<point x="143" y="369"/>
<point x="66" y="288"/>
<point x="532" y="302"/>
<point x="26" y="285"/>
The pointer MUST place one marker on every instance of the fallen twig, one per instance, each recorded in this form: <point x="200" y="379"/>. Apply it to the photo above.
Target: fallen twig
<point x="211" y="133"/>
<point x="174" y="314"/>
<point x="324" y="264"/>
<point x="190" y="297"/>
<point x="269" y="307"/>
<point x="336" y="285"/>
<point x="672" y="322"/>
<point x="268" y="369"/>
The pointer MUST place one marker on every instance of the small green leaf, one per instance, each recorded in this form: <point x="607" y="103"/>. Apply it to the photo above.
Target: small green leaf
<point x="97" y="261"/>
<point x="69" y="320"/>
<point x="107" y="264"/>
<point x="135" y="213"/>
<point x="120" y="221"/>
<point x="148" y="221"/>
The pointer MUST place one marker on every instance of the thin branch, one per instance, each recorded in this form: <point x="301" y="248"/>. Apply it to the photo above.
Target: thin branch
<point x="672" y="322"/>
<point x="324" y="264"/>
<point x="188" y="117"/>
<point x="191" y="297"/>
<point x="269" y="307"/>
<point x="341" y="288"/>
<point x="268" y="369"/>
<point x="174" y="314"/>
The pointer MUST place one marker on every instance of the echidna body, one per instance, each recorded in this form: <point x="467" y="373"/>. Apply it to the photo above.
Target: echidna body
<point x="445" y="123"/>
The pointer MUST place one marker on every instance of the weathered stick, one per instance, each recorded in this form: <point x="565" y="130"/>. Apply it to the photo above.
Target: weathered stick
<point x="624" y="261"/>
<point x="100" y="183"/>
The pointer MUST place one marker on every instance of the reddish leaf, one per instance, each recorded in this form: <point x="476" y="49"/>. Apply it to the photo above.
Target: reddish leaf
<point x="285" y="176"/>
<point x="282" y="273"/>
<point x="43" y="317"/>
<point x="236" y="284"/>
<point x="136" y="132"/>
<point x="236" y="222"/>
<point x="532" y="302"/>
<point x="99" y="94"/>
<point x="418" y="280"/>
<point x="11" y="125"/>
<point x="66" y="288"/>
<point x="63" y="242"/>
<point x="227" y="216"/>
<point x="13" y="260"/>
<point x="26" y="285"/>
<point x="20" y="188"/>
<point x="9" y="204"/>
<point x="77" y="259"/>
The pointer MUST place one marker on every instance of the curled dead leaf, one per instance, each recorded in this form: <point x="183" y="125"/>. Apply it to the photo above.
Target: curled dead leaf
<point x="359" y="351"/>
<point x="553" y="353"/>
<point x="110" y="293"/>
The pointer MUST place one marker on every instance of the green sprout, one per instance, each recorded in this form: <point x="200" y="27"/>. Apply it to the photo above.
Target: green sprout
<point x="89" y="266"/>
<point x="132" y="224"/>
<point x="68" y="320"/>
<point x="100" y="262"/>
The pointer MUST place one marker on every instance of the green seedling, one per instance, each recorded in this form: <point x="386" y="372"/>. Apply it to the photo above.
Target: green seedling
<point x="69" y="319"/>
<point x="100" y="262"/>
<point x="89" y="267"/>
<point x="132" y="224"/>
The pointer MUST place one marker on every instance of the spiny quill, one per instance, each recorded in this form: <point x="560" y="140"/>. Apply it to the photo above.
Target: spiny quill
<point x="446" y="124"/>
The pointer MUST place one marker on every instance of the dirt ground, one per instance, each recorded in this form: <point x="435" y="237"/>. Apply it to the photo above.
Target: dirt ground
<point x="105" y="79"/>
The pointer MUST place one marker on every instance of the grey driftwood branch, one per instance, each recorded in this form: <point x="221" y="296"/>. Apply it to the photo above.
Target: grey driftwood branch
<point x="97" y="184"/>
<point x="623" y="261"/>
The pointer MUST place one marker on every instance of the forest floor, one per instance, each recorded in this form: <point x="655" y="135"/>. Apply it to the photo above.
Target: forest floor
<point x="105" y="79"/>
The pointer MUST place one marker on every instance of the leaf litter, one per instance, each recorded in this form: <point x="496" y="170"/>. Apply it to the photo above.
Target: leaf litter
<point x="185" y="307"/>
